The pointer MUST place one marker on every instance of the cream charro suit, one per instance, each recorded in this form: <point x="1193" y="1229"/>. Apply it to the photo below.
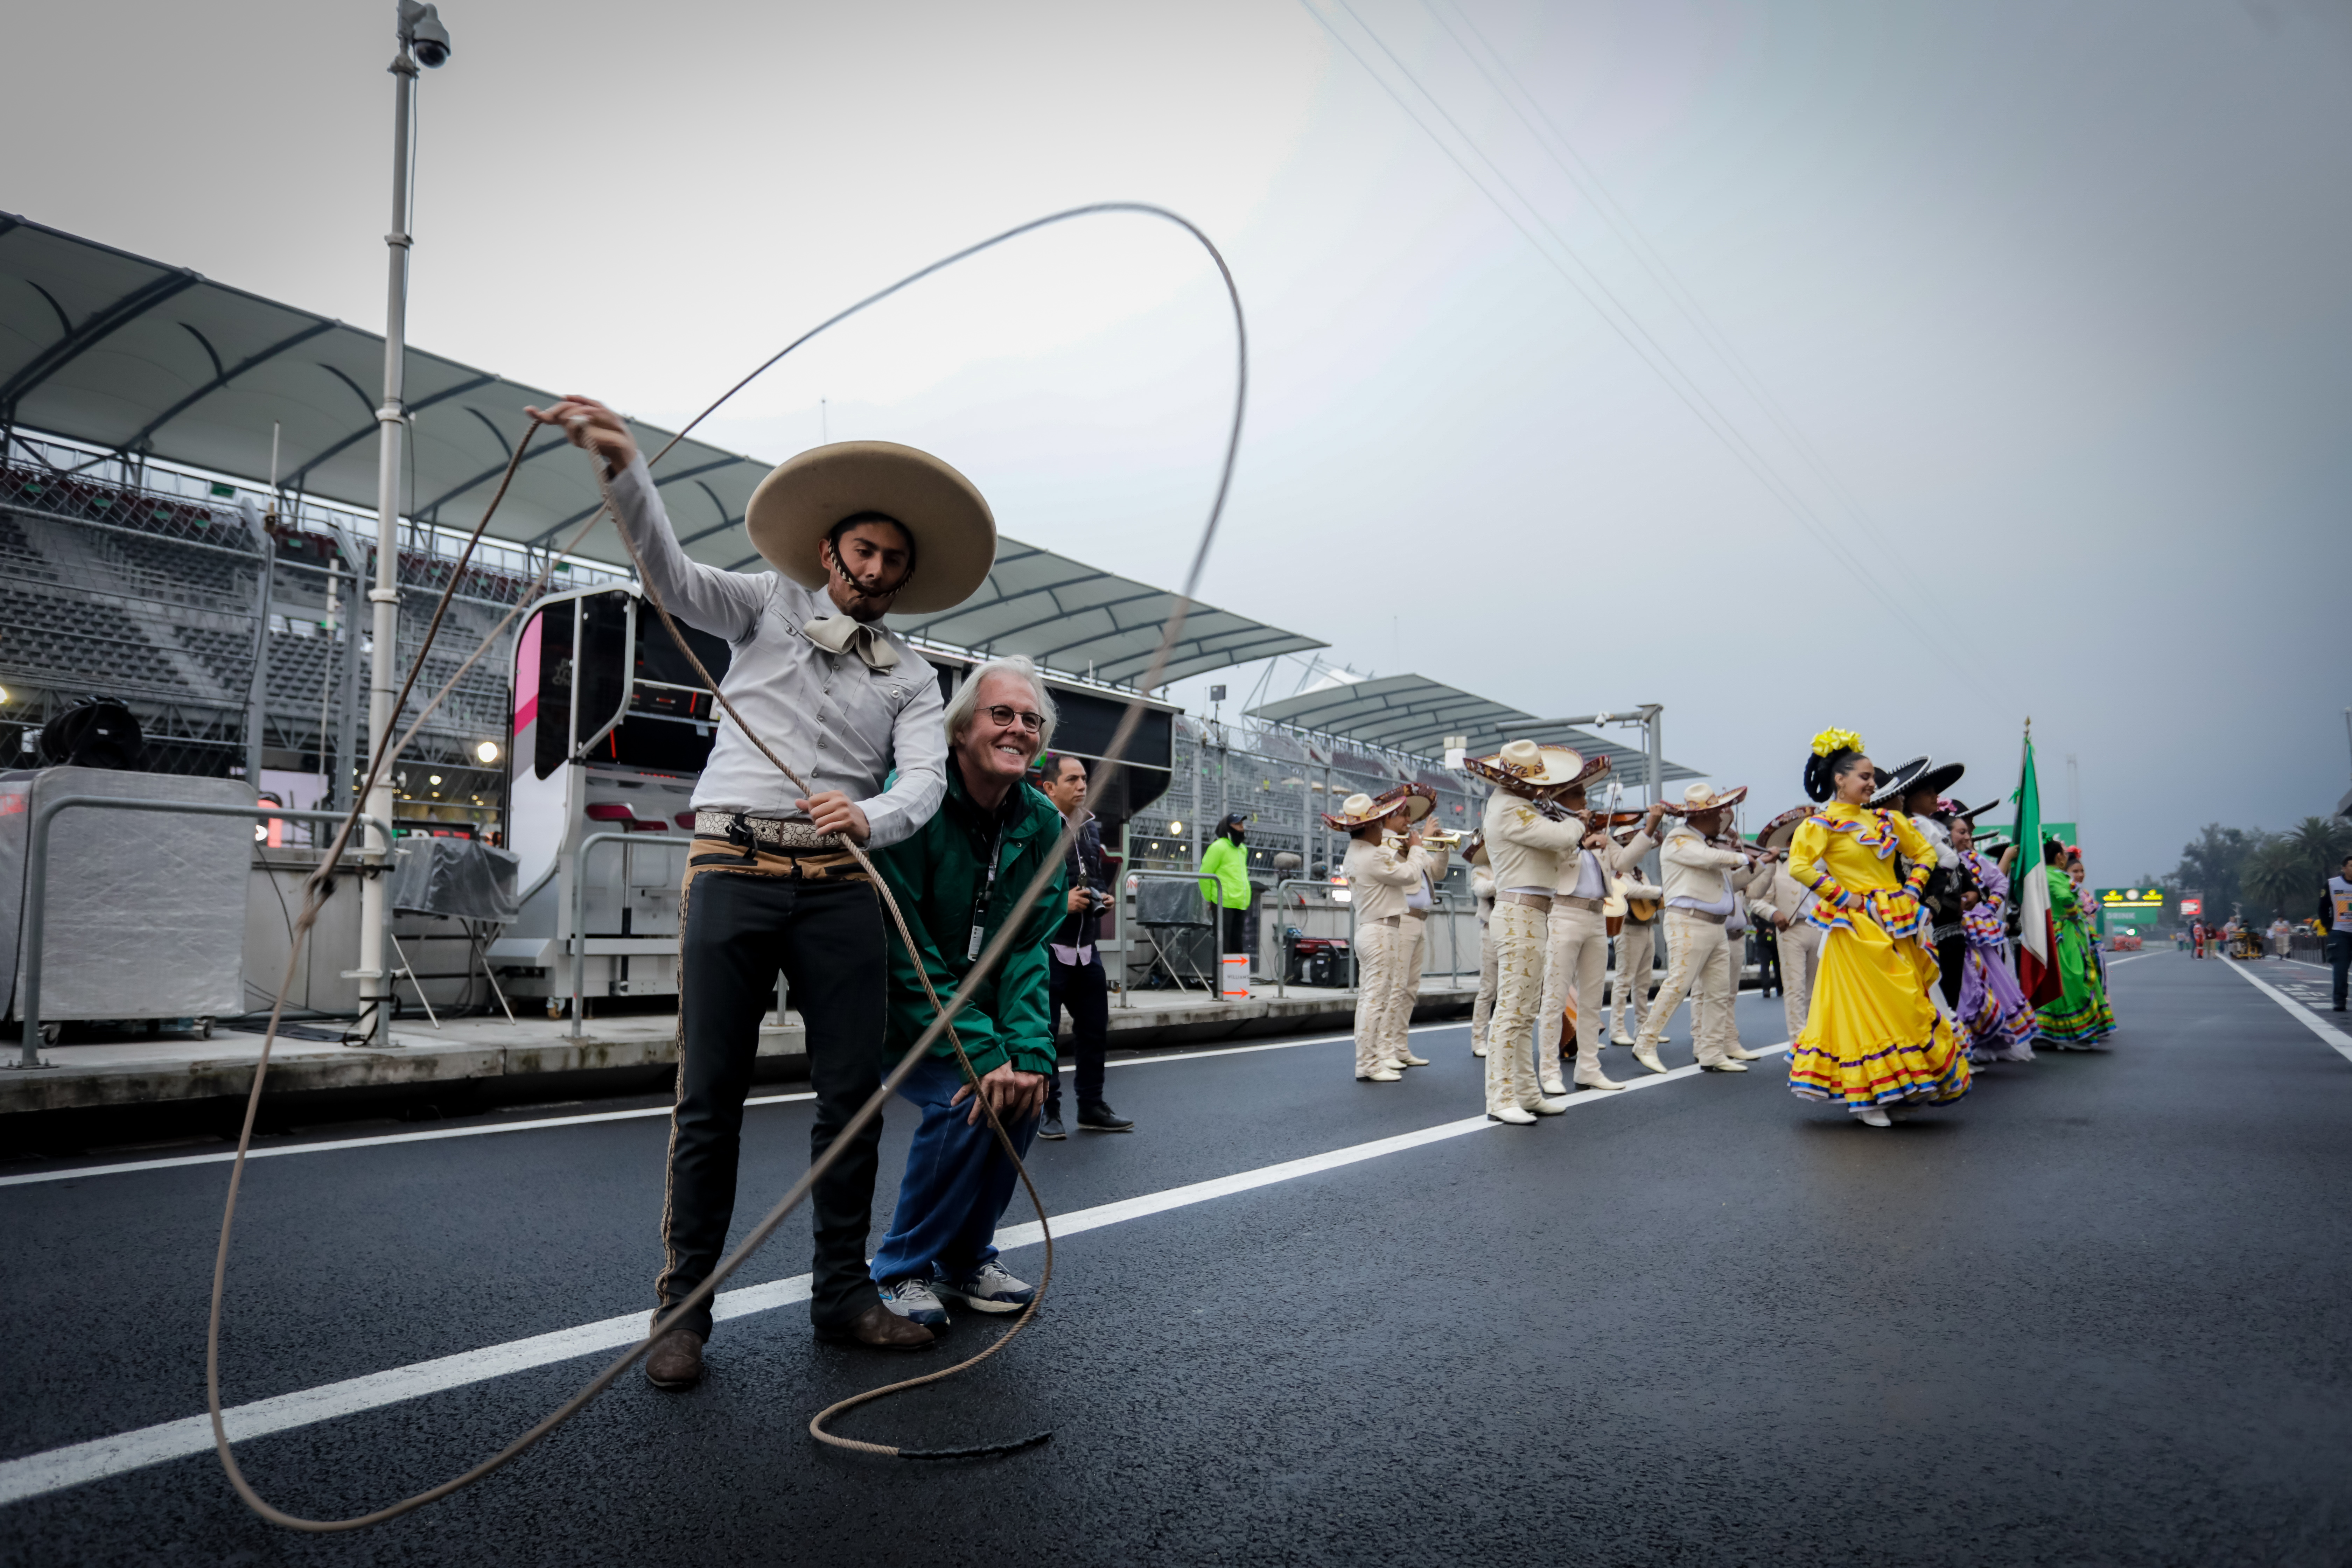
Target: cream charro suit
<point x="1482" y="890"/>
<point x="1776" y="894"/>
<point x="1576" y="955"/>
<point x="1378" y="880"/>
<point x="1698" y="954"/>
<point x="1524" y="848"/>
<point x="1415" y="927"/>
<point x="1637" y="951"/>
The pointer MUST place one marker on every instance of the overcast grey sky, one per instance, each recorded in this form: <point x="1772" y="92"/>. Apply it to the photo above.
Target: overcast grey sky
<point x="1906" y="368"/>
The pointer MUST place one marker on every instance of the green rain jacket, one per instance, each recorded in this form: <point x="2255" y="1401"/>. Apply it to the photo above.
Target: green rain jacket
<point x="937" y="877"/>
<point x="1229" y="864"/>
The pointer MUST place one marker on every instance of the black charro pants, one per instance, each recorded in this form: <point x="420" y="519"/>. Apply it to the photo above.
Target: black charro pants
<point x="828" y="938"/>
<point x="1951" y="953"/>
<point x="1085" y="992"/>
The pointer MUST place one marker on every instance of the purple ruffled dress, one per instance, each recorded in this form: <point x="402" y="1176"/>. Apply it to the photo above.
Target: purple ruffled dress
<point x="1993" y="1012"/>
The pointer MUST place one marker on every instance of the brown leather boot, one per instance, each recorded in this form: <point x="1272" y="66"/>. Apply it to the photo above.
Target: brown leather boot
<point x="676" y="1360"/>
<point x="880" y="1329"/>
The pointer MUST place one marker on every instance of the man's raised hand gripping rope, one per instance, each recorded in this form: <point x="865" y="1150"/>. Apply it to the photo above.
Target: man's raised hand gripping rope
<point x="944" y="1012"/>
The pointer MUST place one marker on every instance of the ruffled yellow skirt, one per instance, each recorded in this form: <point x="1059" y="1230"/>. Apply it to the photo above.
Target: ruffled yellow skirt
<point x="1873" y="1036"/>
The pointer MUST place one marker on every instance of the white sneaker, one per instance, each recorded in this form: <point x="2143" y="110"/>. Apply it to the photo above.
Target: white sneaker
<point x="1872" y="1117"/>
<point x="1547" y="1106"/>
<point x="913" y="1299"/>
<point x="987" y="1288"/>
<point x="1379" y="1075"/>
<point x="1514" y="1115"/>
<point x="1408" y="1059"/>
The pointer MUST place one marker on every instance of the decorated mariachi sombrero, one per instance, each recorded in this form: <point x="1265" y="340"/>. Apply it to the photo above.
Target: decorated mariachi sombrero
<point x="1416" y="801"/>
<point x="1940" y="778"/>
<point x="1896" y="781"/>
<point x="1969" y="813"/>
<point x="799" y="502"/>
<point x="1777" y="833"/>
<point x="1523" y="767"/>
<point x="1700" y="797"/>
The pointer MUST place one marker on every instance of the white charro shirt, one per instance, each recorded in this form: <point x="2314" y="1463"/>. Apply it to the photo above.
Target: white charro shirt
<point x="839" y="723"/>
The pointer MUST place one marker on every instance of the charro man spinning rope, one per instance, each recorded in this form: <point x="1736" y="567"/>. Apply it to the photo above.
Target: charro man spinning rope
<point x="852" y="530"/>
<point x="385" y="746"/>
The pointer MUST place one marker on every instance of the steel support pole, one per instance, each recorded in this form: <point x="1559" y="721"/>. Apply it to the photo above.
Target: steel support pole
<point x="257" y="705"/>
<point x="580" y="916"/>
<point x="376" y="986"/>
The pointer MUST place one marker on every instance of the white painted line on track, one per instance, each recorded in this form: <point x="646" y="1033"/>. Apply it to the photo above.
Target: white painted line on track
<point x="78" y="1172"/>
<point x="271" y="1153"/>
<point x="2336" y="1038"/>
<point x="78" y="1464"/>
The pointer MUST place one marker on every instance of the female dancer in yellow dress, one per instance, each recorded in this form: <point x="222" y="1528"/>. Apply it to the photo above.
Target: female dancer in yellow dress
<point x="1874" y="1038"/>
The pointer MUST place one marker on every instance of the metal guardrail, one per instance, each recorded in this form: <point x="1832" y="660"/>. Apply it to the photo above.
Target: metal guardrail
<point x="1442" y="903"/>
<point x="1282" y="971"/>
<point x="36" y="876"/>
<point x="579" y="912"/>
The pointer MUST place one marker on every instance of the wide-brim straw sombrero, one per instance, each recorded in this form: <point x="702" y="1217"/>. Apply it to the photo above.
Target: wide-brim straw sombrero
<point x="1777" y="833"/>
<point x="1529" y="767"/>
<point x="1700" y="797"/>
<point x="1898" y="781"/>
<point x="1359" y="810"/>
<point x="801" y="498"/>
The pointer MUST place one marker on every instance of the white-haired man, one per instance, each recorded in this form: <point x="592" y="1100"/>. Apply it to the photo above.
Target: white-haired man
<point x="957" y="882"/>
<point x="854" y="529"/>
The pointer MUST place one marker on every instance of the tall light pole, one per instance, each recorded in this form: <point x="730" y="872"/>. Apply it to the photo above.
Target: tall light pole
<point x="423" y="41"/>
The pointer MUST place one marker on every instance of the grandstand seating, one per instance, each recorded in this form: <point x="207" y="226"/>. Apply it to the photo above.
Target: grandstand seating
<point x="72" y="642"/>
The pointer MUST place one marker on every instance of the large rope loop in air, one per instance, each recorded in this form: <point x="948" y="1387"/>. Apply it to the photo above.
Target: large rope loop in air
<point x="315" y="889"/>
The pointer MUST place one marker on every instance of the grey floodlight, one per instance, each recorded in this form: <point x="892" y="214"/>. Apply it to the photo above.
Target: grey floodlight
<point x="421" y="30"/>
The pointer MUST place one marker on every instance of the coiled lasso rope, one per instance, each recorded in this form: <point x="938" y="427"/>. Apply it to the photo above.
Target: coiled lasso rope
<point x="316" y="886"/>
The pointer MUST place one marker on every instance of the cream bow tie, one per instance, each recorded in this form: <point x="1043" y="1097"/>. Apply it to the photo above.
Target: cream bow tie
<point x="841" y="634"/>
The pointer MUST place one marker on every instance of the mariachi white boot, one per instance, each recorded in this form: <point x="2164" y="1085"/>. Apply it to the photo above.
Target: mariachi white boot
<point x="1646" y="1051"/>
<point x="1589" y="1074"/>
<point x="1513" y="1115"/>
<point x="1740" y="1053"/>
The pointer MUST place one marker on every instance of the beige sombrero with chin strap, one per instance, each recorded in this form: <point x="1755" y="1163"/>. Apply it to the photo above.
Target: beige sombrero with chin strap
<point x="1360" y="810"/>
<point x="1699" y="797"/>
<point x="801" y="498"/>
<point x="1525" y="767"/>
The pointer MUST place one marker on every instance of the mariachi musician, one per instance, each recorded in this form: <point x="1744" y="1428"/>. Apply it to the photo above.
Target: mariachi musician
<point x="1632" y="912"/>
<point x="1481" y="894"/>
<point x="1576" y="959"/>
<point x="1526" y="831"/>
<point x="1703" y="884"/>
<point x="1436" y="849"/>
<point x="1384" y="869"/>
<point x="1780" y="898"/>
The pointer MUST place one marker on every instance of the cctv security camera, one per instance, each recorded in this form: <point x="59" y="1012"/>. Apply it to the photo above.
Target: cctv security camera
<point x="422" y="32"/>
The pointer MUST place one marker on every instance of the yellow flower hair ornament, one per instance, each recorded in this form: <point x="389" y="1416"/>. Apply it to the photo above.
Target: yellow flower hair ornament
<point x="1830" y="740"/>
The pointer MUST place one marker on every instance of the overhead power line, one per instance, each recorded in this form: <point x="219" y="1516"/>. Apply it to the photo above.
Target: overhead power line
<point x="1621" y="320"/>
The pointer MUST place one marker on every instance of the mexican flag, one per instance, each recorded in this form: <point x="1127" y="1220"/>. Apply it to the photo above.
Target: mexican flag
<point x="2037" y="944"/>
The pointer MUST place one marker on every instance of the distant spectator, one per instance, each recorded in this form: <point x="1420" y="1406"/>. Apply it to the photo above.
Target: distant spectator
<point x="1075" y="967"/>
<point x="1228" y="862"/>
<point x="2335" y="919"/>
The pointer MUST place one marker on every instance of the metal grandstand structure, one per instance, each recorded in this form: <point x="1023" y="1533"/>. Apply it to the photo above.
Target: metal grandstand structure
<point x="139" y="400"/>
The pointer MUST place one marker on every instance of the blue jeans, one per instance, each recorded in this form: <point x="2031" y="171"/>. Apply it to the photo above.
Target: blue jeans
<point x="957" y="1184"/>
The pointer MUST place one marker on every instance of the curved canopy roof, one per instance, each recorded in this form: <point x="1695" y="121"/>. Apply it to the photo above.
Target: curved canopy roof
<point x="104" y="347"/>
<point x="1415" y="713"/>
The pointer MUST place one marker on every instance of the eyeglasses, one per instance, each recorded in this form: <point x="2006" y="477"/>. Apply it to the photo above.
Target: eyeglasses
<point x="1005" y="718"/>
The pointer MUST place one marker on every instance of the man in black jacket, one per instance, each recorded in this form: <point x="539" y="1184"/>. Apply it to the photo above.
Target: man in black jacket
<point x="1076" y="969"/>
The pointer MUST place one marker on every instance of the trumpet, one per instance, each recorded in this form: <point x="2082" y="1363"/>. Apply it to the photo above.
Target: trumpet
<point x="1451" y="837"/>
